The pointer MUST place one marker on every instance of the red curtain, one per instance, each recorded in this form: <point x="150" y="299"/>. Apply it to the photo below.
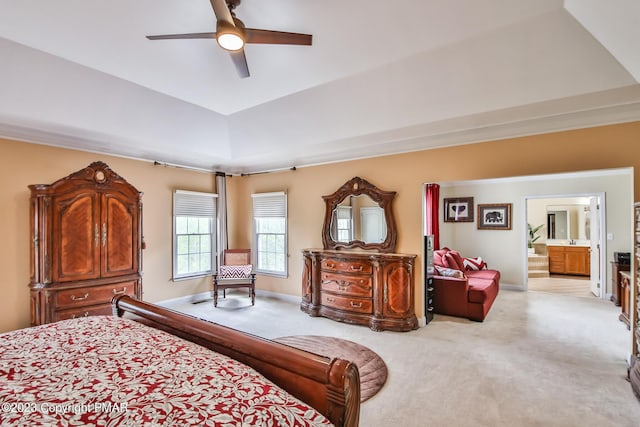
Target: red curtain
<point x="431" y="213"/>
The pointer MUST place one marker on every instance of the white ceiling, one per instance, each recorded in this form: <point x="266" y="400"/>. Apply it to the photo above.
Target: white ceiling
<point x="81" y="74"/>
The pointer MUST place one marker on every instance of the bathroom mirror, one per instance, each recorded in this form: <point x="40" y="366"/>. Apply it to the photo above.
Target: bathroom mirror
<point x="558" y="225"/>
<point x="359" y="215"/>
<point x="568" y="222"/>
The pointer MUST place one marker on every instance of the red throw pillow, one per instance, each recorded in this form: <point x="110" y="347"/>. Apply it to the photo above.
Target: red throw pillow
<point x="454" y="260"/>
<point x="474" y="264"/>
<point x="438" y="257"/>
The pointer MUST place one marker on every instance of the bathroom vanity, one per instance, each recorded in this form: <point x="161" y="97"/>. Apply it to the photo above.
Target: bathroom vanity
<point x="569" y="259"/>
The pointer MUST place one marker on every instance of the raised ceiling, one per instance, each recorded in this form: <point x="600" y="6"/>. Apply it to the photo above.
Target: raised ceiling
<point x="381" y="77"/>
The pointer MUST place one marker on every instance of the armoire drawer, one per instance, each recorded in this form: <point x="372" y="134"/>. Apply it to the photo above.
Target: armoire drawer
<point x="357" y="285"/>
<point x="92" y="295"/>
<point x="74" y="313"/>
<point x="357" y="305"/>
<point x="354" y="266"/>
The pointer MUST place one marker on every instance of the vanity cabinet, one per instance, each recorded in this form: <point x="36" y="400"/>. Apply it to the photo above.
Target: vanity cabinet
<point x="574" y="260"/>
<point x="364" y="288"/>
<point x="85" y="244"/>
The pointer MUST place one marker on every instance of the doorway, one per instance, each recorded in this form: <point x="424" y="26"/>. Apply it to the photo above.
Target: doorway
<point x="566" y="244"/>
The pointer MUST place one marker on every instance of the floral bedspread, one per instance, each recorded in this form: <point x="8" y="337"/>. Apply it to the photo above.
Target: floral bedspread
<point x="108" y="371"/>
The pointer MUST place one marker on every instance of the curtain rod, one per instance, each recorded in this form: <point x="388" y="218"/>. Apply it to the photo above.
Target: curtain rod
<point x="173" y="165"/>
<point x="292" y="168"/>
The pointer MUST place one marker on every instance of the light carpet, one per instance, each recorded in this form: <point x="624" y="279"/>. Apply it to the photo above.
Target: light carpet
<point x="537" y="360"/>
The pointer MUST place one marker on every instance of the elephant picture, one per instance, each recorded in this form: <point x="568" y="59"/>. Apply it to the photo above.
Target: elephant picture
<point x="494" y="216"/>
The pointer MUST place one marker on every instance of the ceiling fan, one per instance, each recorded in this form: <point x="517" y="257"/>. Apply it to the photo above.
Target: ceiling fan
<point x="232" y="35"/>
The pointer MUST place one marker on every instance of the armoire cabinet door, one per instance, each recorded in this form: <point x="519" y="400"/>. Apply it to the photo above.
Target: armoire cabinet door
<point x="76" y="243"/>
<point x="119" y="235"/>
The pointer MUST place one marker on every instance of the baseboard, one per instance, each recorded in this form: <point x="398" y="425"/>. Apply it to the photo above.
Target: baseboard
<point x="511" y="287"/>
<point x="206" y="296"/>
<point x="187" y="299"/>
<point x="422" y="321"/>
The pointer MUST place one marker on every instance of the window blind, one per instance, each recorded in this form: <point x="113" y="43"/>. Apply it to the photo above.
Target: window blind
<point x="269" y="205"/>
<point x="192" y="203"/>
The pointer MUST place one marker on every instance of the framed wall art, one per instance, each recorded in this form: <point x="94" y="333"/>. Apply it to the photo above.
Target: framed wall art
<point x="494" y="216"/>
<point x="458" y="209"/>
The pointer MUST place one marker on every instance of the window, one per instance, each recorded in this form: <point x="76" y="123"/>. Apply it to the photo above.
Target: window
<point x="270" y="233"/>
<point x="194" y="234"/>
<point x="344" y="224"/>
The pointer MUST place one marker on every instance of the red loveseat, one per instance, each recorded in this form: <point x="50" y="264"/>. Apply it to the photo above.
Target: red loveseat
<point x="462" y="290"/>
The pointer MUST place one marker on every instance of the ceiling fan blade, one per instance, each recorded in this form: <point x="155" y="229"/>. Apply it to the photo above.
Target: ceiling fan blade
<point x="222" y="12"/>
<point x="276" y="37"/>
<point x="183" y="36"/>
<point x="240" y="61"/>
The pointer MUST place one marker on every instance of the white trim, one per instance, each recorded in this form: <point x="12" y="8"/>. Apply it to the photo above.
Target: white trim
<point x="194" y="298"/>
<point x="205" y="296"/>
<point x="593" y="173"/>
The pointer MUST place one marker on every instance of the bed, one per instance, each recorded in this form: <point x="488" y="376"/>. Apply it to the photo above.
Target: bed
<point x="154" y="366"/>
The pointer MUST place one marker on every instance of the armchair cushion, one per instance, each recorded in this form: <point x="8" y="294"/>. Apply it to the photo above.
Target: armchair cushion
<point x="234" y="271"/>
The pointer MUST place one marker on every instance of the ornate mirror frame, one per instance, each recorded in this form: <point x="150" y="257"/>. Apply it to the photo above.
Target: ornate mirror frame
<point x="356" y="187"/>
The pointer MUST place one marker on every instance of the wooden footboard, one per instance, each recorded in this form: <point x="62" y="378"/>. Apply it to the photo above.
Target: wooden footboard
<point x="331" y="386"/>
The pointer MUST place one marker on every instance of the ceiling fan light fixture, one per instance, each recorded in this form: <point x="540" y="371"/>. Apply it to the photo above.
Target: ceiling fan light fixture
<point x="229" y="37"/>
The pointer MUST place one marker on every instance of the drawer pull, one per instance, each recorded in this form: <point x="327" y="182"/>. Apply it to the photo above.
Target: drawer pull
<point x="354" y="305"/>
<point x="82" y="298"/>
<point x="116" y="292"/>
<point x="331" y="299"/>
<point x="354" y="268"/>
<point x="86" y="314"/>
<point x="329" y="265"/>
<point x="429" y="289"/>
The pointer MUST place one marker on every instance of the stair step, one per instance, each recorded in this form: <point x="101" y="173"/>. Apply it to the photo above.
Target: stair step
<point x="538" y="273"/>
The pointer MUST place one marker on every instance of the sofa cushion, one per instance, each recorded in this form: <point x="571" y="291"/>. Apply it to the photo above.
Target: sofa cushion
<point x="480" y="290"/>
<point x="449" y="272"/>
<point x="484" y="274"/>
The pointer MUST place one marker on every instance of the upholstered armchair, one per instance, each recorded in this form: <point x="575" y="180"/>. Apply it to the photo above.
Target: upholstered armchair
<point x="235" y="272"/>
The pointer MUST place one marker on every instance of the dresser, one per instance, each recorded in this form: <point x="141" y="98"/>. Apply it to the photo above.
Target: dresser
<point x="634" y="370"/>
<point x="358" y="287"/>
<point x="616" y="269"/>
<point x="86" y="241"/>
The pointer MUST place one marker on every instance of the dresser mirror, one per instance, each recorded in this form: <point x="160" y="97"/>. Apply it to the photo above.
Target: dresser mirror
<point x="359" y="215"/>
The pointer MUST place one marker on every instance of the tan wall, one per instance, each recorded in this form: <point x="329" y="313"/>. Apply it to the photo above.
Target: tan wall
<point x="588" y="149"/>
<point x="22" y="164"/>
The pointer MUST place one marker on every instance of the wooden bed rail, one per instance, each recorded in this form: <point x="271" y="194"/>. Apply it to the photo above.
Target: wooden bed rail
<point x="330" y="385"/>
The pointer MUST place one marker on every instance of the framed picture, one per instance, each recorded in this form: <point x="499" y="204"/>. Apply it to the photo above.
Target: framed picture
<point x="494" y="217"/>
<point x="458" y="209"/>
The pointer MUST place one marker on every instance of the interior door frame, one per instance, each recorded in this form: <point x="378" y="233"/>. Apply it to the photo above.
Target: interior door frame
<point x="603" y="233"/>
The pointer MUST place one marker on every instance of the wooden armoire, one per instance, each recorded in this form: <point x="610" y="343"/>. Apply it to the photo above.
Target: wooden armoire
<point x="86" y="242"/>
